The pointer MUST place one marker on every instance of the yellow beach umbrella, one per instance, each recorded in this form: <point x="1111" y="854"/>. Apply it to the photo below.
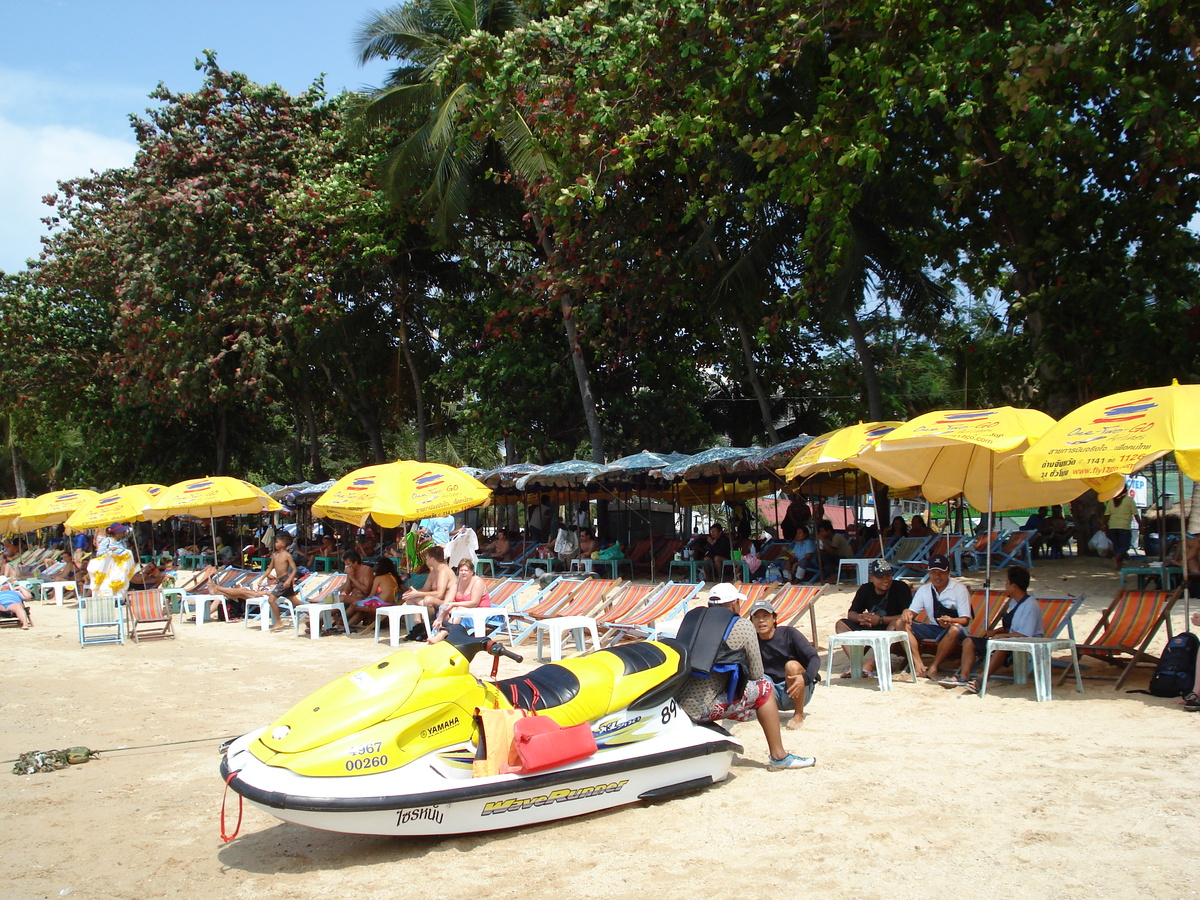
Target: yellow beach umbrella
<point x="53" y="508"/>
<point x="10" y="511"/>
<point x="123" y="504"/>
<point x="402" y="491"/>
<point x="972" y="452"/>
<point x="835" y="450"/>
<point x="1122" y="433"/>
<point x="964" y="451"/>
<point x="210" y="498"/>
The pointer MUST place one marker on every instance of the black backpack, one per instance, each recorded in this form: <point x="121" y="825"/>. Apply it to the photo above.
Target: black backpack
<point x="1176" y="669"/>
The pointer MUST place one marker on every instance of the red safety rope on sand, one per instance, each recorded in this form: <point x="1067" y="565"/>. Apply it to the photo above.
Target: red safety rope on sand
<point x="229" y="837"/>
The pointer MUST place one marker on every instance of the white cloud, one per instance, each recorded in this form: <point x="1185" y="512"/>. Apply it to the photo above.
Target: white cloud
<point x="33" y="159"/>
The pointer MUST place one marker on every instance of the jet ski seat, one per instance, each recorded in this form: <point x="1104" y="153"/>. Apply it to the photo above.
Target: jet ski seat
<point x="637" y="676"/>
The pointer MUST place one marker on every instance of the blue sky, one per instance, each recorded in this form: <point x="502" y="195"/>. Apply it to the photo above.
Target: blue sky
<point x="72" y="72"/>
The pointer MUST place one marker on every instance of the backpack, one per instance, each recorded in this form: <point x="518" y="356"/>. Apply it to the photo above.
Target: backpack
<point x="1176" y="669"/>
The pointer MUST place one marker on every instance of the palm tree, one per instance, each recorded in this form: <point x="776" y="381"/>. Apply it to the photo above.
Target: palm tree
<point x="420" y="36"/>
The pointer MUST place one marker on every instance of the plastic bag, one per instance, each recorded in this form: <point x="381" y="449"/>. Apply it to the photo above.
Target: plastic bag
<point x="1100" y="544"/>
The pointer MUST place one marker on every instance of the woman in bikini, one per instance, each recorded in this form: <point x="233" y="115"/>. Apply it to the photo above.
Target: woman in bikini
<point x="470" y="592"/>
<point x="384" y="591"/>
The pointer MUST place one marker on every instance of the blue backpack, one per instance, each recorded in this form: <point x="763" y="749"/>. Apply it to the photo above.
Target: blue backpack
<point x="1176" y="669"/>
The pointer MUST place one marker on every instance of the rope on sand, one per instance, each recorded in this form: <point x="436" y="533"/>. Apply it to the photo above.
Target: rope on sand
<point x="53" y="760"/>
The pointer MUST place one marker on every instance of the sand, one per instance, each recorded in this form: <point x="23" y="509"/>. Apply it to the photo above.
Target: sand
<point x="921" y="792"/>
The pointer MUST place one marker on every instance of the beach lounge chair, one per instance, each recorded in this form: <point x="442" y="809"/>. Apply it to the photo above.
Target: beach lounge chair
<point x="662" y="608"/>
<point x="521" y="552"/>
<point x="1126" y="629"/>
<point x="1016" y="548"/>
<point x="754" y="591"/>
<point x="101" y="620"/>
<point x="149" y="616"/>
<point x="570" y="600"/>
<point x="944" y="545"/>
<point x="794" y="600"/>
<point x="972" y="554"/>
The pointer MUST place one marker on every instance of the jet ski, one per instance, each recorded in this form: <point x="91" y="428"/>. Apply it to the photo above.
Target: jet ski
<point x="389" y="749"/>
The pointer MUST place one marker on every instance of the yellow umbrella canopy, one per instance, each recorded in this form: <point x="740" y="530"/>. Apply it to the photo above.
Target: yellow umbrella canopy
<point x="835" y="450"/>
<point x="971" y="452"/>
<point x="53" y="508"/>
<point x="402" y="491"/>
<point x="210" y="498"/>
<point x="123" y="504"/>
<point x="10" y="511"/>
<point x="1121" y="433"/>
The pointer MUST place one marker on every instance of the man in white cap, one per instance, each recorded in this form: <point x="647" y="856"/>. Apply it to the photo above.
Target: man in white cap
<point x="789" y="660"/>
<point x="728" y="681"/>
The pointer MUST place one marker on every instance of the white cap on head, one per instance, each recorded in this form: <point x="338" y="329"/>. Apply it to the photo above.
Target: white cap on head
<point x="724" y="593"/>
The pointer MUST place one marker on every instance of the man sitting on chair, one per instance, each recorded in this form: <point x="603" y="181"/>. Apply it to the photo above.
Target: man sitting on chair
<point x="1022" y="618"/>
<point x="947" y="607"/>
<point x="878" y="605"/>
<point x="788" y="659"/>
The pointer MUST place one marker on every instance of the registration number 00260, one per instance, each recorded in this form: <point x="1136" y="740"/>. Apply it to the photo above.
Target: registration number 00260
<point x="365" y="762"/>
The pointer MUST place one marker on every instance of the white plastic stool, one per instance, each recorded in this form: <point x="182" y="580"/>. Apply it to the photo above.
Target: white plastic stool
<point x="394" y="614"/>
<point x="558" y="627"/>
<point x="477" y="617"/>
<point x="200" y="603"/>
<point x="861" y="566"/>
<point x="286" y="607"/>
<point x="1039" y="650"/>
<point x="316" y="617"/>
<point x="58" y="587"/>
<point x="856" y="643"/>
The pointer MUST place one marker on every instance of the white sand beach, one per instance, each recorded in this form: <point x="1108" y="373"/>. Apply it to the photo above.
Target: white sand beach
<point x="920" y="792"/>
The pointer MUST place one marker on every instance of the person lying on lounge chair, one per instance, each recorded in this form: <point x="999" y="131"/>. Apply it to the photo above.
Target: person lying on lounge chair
<point x="13" y="601"/>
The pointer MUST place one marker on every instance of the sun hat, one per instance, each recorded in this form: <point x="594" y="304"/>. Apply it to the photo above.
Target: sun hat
<point x="724" y="593"/>
<point x="879" y="568"/>
<point x="938" y="561"/>
<point x="117" y="529"/>
<point x="762" y="606"/>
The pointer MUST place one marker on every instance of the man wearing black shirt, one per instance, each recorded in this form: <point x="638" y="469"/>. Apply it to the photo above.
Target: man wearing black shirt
<point x="788" y="659"/>
<point x="878" y="605"/>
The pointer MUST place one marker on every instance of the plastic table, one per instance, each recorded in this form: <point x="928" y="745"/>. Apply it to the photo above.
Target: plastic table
<point x="1038" y="650"/>
<point x="856" y="644"/>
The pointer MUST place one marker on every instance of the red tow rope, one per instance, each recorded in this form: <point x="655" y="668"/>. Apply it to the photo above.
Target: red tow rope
<point x="229" y="837"/>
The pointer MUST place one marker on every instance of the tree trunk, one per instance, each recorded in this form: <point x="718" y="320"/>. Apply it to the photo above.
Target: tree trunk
<point x="1194" y="509"/>
<point x="222" y="441"/>
<point x="361" y="406"/>
<point x="590" y="414"/>
<point x="19" y="486"/>
<point x="401" y="307"/>
<point x="311" y="451"/>
<point x="866" y="360"/>
<point x="764" y="406"/>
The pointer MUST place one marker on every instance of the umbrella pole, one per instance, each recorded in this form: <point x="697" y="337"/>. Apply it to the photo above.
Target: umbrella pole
<point x="987" y="551"/>
<point x="1187" y="599"/>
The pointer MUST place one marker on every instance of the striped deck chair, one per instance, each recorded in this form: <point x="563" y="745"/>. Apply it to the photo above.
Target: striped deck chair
<point x="521" y="552"/>
<point x="1014" y="549"/>
<point x="978" y="549"/>
<point x="582" y="599"/>
<point x="149" y="616"/>
<point x="101" y="620"/>
<point x="664" y="552"/>
<point x="1058" y="612"/>
<point x="907" y="548"/>
<point x="944" y="544"/>
<point x="793" y="600"/>
<point x="754" y="592"/>
<point x="667" y="605"/>
<point x="1127" y="627"/>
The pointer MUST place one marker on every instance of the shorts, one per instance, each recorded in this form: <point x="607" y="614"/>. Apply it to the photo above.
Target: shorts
<point x="371" y="603"/>
<point x="281" y="590"/>
<point x="784" y="700"/>
<point x="924" y="631"/>
<point x="755" y="694"/>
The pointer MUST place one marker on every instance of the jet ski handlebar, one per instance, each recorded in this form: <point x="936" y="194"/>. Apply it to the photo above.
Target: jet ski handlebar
<point x="497" y="649"/>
